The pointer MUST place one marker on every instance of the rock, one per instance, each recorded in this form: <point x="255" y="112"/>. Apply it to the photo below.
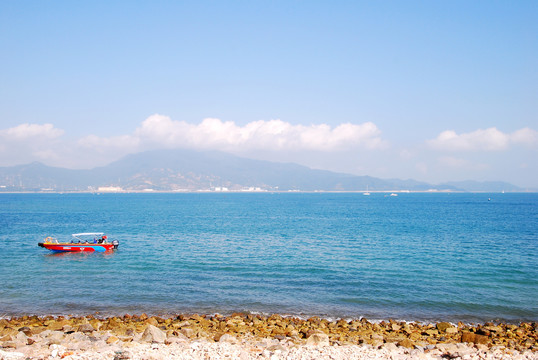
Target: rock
<point x="474" y="338"/>
<point x="8" y="332"/>
<point x="20" y="339"/>
<point x="318" y="339"/>
<point x="85" y="328"/>
<point x="55" y="338"/>
<point x="451" y="330"/>
<point x="228" y="339"/>
<point x="496" y="329"/>
<point x="276" y="347"/>
<point x="122" y="355"/>
<point x="188" y="332"/>
<point x="406" y="343"/>
<point x="395" y="327"/>
<point x="442" y="326"/>
<point x="68" y="329"/>
<point x="95" y="323"/>
<point x="391" y="347"/>
<point x="154" y="335"/>
<point x="26" y="330"/>
<point x="112" y="339"/>
<point x="447" y="348"/>
<point x="8" y="355"/>
<point x="179" y="339"/>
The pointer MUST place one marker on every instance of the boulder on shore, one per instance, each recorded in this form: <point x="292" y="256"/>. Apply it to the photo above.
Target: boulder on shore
<point x="154" y="335"/>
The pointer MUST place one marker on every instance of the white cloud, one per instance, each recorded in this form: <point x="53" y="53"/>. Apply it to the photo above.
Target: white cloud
<point x="526" y="136"/>
<point x="26" y="131"/>
<point x="257" y="135"/>
<point x="489" y="139"/>
<point x="30" y="142"/>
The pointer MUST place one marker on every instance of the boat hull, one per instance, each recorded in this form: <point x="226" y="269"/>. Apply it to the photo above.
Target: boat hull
<point x="67" y="247"/>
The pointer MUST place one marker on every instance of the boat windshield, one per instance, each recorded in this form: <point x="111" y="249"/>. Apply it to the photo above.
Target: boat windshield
<point x="88" y="237"/>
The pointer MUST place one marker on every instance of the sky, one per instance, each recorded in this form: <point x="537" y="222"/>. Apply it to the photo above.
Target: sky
<point x="429" y="90"/>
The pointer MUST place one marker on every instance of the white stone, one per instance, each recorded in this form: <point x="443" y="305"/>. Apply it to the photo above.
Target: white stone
<point x="318" y="339"/>
<point x="8" y="355"/>
<point x="227" y="338"/>
<point x="154" y="334"/>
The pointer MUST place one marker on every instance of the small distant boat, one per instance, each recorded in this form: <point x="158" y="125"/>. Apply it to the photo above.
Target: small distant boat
<point x="366" y="192"/>
<point x="393" y="194"/>
<point x="82" y="242"/>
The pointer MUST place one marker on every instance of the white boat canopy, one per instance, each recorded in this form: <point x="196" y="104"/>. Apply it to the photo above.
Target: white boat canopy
<point x="88" y="234"/>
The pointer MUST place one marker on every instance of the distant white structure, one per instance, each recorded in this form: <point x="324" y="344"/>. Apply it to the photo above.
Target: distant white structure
<point x="252" y="189"/>
<point x="221" y="189"/>
<point x="109" y="189"/>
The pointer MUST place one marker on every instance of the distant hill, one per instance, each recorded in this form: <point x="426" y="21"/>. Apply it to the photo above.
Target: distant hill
<point x="187" y="170"/>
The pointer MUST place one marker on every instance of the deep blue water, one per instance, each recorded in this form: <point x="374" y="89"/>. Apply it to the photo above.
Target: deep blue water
<point x="414" y="257"/>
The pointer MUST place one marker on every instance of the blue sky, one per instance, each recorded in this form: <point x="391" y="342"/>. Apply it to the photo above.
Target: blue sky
<point x="434" y="91"/>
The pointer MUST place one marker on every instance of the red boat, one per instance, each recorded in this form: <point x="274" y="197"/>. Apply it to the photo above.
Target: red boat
<point x="83" y="242"/>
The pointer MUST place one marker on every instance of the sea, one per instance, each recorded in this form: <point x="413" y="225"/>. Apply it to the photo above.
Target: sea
<point x="425" y="257"/>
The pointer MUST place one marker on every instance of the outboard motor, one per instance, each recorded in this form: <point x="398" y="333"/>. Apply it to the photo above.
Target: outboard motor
<point x="116" y="243"/>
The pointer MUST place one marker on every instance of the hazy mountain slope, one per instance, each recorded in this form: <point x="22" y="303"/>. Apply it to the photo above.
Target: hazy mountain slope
<point x="169" y="170"/>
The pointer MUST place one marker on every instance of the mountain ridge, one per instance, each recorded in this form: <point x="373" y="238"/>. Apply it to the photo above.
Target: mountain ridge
<point x="189" y="170"/>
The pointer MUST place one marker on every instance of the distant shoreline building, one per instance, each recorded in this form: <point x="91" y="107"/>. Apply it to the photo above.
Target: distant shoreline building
<point x="110" y="189"/>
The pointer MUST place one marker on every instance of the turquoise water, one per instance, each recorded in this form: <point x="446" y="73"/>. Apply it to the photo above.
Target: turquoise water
<point x="414" y="257"/>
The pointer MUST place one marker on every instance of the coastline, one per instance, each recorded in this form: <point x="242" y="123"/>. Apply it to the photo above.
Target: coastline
<point x="255" y="336"/>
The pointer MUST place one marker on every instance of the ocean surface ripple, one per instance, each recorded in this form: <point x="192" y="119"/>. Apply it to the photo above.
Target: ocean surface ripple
<point x="421" y="257"/>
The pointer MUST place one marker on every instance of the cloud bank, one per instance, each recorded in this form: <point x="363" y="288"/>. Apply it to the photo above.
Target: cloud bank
<point x="274" y="135"/>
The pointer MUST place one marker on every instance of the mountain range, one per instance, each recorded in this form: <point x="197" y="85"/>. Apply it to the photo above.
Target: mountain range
<point x="188" y="170"/>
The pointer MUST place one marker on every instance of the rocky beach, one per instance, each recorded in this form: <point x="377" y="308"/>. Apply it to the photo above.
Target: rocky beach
<point x="248" y="336"/>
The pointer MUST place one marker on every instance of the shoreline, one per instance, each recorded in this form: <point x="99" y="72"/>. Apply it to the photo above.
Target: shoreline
<point x="242" y="335"/>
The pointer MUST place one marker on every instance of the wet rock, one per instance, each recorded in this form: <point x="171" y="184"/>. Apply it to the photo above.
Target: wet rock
<point x="431" y="332"/>
<point x="406" y="343"/>
<point x="495" y="329"/>
<point x="154" y="335"/>
<point x="469" y="337"/>
<point x="442" y="326"/>
<point x="153" y="321"/>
